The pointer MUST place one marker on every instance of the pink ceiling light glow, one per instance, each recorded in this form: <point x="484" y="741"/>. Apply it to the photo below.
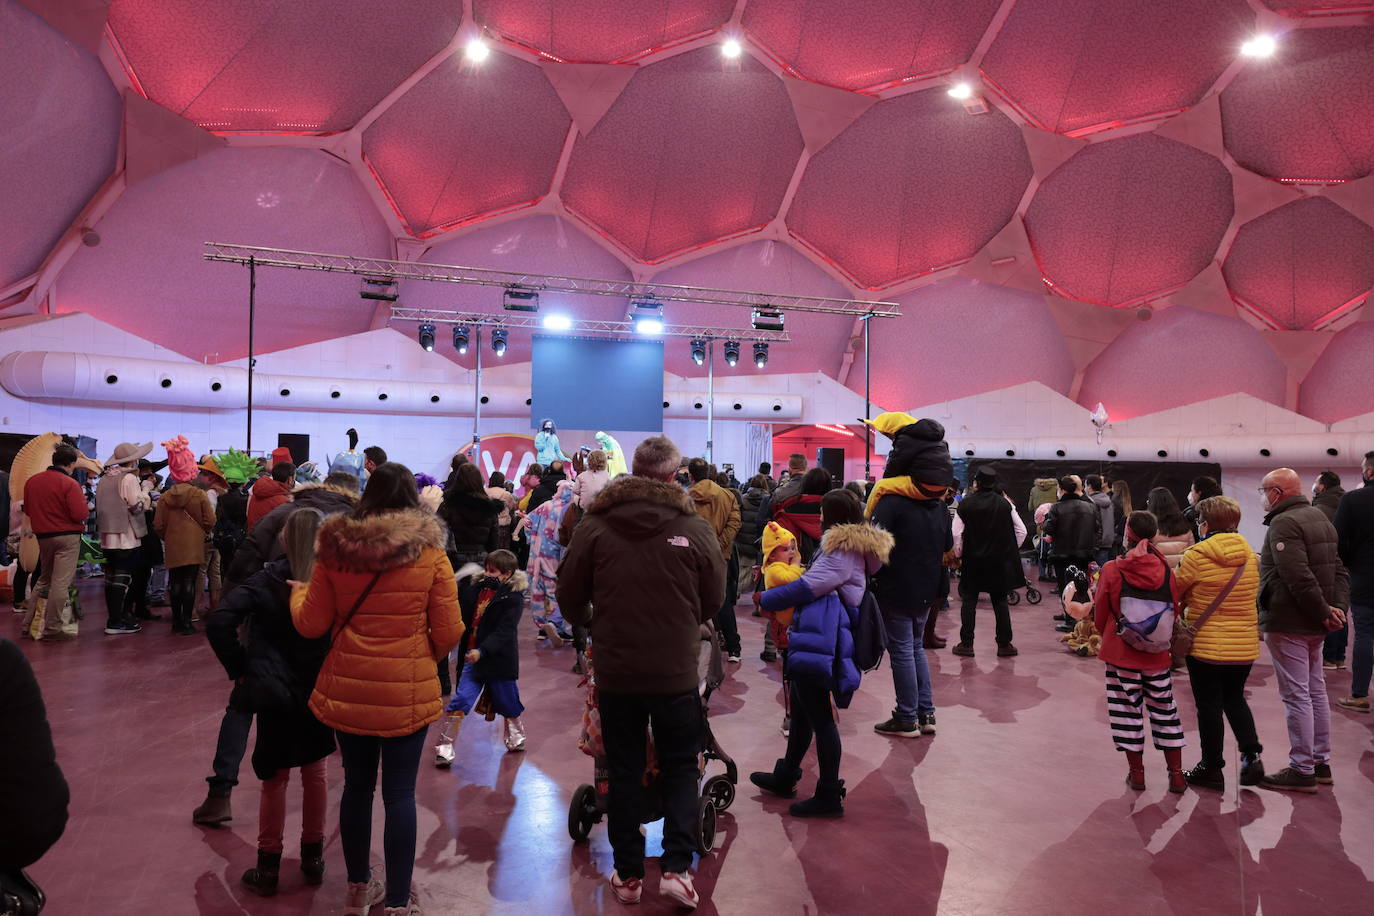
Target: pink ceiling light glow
<point x="1129" y="220"/>
<point x="601" y="31"/>
<point x="1302" y="265"/>
<point x="1338" y="386"/>
<point x="915" y="185"/>
<point x="868" y="47"/>
<point x="1077" y="67"/>
<point x="691" y="152"/>
<point x="307" y="66"/>
<point x="1306" y="114"/>
<point x="466" y="142"/>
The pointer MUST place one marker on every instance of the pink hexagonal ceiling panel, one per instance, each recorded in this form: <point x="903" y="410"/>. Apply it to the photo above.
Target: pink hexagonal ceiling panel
<point x="600" y="31"/>
<point x="538" y="244"/>
<point x="59" y="133"/>
<point x="818" y="340"/>
<point x="1301" y="265"/>
<point x="148" y="276"/>
<point x="307" y="66"/>
<point x="868" y="46"/>
<point x="1307" y="113"/>
<point x="1338" y="385"/>
<point x="694" y="150"/>
<point x="948" y="328"/>
<point x="1078" y="66"/>
<point x="916" y="184"/>
<point x="468" y="141"/>
<point x="1181" y="357"/>
<point x="1128" y="220"/>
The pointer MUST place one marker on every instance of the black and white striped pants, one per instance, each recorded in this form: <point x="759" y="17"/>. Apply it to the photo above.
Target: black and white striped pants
<point x="1130" y="694"/>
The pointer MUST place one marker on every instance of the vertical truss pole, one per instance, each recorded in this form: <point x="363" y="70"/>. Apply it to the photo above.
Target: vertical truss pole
<point x="252" y="360"/>
<point x="477" y="403"/>
<point x="711" y="401"/>
<point x="868" y="405"/>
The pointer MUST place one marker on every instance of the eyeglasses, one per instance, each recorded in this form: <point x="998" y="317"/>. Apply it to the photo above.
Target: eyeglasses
<point x="1262" y="490"/>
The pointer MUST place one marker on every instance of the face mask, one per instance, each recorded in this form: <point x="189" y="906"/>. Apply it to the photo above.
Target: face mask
<point x="491" y="582"/>
<point x="1192" y="498"/>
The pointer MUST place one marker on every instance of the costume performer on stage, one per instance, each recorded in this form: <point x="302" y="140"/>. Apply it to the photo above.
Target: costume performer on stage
<point x="546" y="444"/>
<point x="615" y="455"/>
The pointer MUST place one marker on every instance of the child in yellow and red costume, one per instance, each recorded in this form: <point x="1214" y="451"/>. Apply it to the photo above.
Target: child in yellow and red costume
<point x="781" y="565"/>
<point x="918" y="465"/>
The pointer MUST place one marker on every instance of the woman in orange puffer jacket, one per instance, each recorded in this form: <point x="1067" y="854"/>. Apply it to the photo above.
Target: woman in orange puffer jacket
<point x="1227" y="643"/>
<point x="383" y="586"/>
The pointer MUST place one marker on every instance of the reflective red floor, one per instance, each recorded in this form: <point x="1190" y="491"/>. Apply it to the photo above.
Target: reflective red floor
<point x="1016" y="806"/>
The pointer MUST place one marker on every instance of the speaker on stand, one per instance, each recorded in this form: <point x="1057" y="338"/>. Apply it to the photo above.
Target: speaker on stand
<point x="832" y="459"/>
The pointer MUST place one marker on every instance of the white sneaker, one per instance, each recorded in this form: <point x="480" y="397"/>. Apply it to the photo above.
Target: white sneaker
<point x="443" y="756"/>
<point x="551" y="633"/>
<point x="411" y="908"/>
<point x="515" y="735"/>
<point x="627" y="891"/>
<point x="362" y="896"/>
<point x="678" y="888"/>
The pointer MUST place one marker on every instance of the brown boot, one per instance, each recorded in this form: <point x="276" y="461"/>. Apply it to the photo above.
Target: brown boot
<point x="213" y="811"/>
<point x="1135" y="775"/>
<point x="1173" y="758"/>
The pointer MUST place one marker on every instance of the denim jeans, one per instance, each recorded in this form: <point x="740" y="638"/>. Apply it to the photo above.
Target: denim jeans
<point x="677" y="727"/>
<point x="1362" y="652"/>
<point x="400" y="762"/>
<point x="1333" y="648"/>
<point x="910" y="673"/>
<point x="1302" y="685"/>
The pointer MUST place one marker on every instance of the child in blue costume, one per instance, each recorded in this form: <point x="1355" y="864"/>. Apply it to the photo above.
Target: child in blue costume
<point x="546" y="447"/>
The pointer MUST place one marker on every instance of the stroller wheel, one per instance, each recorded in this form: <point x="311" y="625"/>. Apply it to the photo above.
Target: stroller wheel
<point x="720" y="790"/>
<point x="706" y="826"/>
<point x="1033" y="594"/>
<point x="1013" y="598"/>
<point x="582" y="813"/>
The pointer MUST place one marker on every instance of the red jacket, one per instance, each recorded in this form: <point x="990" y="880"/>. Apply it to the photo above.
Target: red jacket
<point x="54" y="503"/>
<point x="1144" y="567"/>
<point x="266" y="495"/>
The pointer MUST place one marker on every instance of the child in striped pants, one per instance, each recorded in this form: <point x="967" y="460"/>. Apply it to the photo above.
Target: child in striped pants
<point x="1139" y="684"/>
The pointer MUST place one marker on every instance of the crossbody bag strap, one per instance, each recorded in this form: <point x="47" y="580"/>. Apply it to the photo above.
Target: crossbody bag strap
<point x="1221" y="596"/>
<point x="362" y="596"/>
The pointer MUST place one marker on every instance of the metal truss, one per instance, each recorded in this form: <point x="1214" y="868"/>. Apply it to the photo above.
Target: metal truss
<point x="481" y="276"/>
<point x="618" y="328"/>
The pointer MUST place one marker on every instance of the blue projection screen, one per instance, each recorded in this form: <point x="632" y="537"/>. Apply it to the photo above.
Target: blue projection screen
<point x="597" y="383"/>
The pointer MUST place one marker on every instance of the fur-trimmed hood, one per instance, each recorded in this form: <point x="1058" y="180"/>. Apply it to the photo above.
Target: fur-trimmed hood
<point x="863" y="539"/>
<point x="351" y="495"/>
<point x="518" y="581"/>
<point x="378" y="542"/>
<point x="640" y="507"/>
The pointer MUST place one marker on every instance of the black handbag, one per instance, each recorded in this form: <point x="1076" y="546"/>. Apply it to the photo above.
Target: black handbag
<point x="19" y="895"/>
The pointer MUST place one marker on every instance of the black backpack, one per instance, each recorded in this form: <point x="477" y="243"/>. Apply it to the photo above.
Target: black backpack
<point x="870" y="635"/>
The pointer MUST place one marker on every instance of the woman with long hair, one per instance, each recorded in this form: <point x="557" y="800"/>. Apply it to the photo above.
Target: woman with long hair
<point x="1175" y="533"/>
<point x="1122" y="507"/>
<point x="383" y="588"/>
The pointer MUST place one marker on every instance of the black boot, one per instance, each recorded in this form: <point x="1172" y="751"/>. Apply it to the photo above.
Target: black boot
<point x="1205" y="777"/>
<point x="1251" y="769"/>
<point x="782" y="782"/>
<point x="312" y="862"/>
<point x="262" y="880"/>
<point x="827" y="802"/>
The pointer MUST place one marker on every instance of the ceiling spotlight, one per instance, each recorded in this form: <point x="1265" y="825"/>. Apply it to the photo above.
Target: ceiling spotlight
<point x="498" y="341"/>
<point x="426" y="335"/>
<point x="647" y="316"/>
<point x="767" y="319"/>
<point x="89" y="237"/>
<point x="698" y="351"/>
<point x="1260" y="46"/>
<point x="558" y="322"/>
<point x="477" y="50"/>
<point x="732" y="352"/>
<point x="731" y="48"/>
<point x="960" y="91"/>
<point x="519" y="299"/>
<point x="760" y="354"/>
<point x="382" y="289"/>
<point x="460" y="339"/>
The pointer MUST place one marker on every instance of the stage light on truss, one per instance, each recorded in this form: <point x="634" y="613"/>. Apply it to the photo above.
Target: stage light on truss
<point x="381" y="289"/>
<point x="647" y="316"/>
<point x="732" y="352"/>
<point x="557" y="323"/>
<point x="760" y="354"/>
<point x="425" y="332"/>
<point x="767" y="319"/>
<point x="460" y="339"/>
<point x="698" y="351"/>
<point x="519" y="299"/>
<point x="499" y="337"/>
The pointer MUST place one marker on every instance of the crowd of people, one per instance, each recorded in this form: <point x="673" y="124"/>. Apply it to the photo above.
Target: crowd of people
<point x="352" y="613"/>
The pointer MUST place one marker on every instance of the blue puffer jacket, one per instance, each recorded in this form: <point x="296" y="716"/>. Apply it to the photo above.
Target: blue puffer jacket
<point x="820" y="642"/>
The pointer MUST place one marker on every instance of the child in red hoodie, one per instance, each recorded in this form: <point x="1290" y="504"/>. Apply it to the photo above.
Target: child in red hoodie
<point x="1138" y="683"/>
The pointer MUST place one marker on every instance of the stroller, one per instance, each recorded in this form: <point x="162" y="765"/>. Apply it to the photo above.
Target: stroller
<point x="1018" y="574"/>
<point x="589" y="801"/>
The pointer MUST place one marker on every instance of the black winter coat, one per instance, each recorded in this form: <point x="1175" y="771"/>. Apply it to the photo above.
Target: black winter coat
<point x="920" y="451"/>
<point x="495" y="636"/>
<point x="263" y="602"/>
<point x="548" y="485"/>
<point x="1301" y="573"/>
<point x="991" y="561"/>
<point x="472" y="520"/>
<point x="33" y="794"/>
<point x="263" y="543"/>
<point x="921" y="532"/>
<point x="1074" y="527"/>
<point x="1354" y="524"/>
<point x="751" y="521"/>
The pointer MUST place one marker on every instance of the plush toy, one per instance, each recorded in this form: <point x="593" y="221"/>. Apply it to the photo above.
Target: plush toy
<point x="351" y="460"/>
<point x="546" y="444"/>
<point x="1084" y="640"/>
<point x="615" y="455"/>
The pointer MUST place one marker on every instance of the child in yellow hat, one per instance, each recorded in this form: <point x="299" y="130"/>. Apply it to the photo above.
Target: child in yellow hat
<point x="781" y="565"/>
<point x="918" y="466"/>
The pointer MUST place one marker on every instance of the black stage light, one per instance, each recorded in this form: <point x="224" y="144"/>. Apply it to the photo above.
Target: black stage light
<point x="732" y="352"/>
<point x="698" y="351"/>
<point x="426" y="334"/>
<point x="760" y="355"/>
<point x="498" y="341"/>
<point x="460" y="339"/>
<point x="767" y="319"/>
<point x="382" y="289"/>
<point x="518" y="299"/>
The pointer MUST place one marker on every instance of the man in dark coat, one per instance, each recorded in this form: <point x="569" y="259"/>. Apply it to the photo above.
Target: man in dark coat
<point x="989" y="555"/>
<point x="33" y="793"/>
<point x="1354" y="525"/>
<point x="1074" y="529"/>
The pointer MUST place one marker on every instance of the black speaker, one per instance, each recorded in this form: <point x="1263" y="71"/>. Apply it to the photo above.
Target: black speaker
<point x="297" y="443"/>
<point x="832" y="459"/>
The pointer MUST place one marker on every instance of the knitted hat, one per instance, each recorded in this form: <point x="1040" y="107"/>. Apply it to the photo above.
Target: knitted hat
<point x="279" y="454"/>
<point x="181" y="464"/>
<point x="775" y="536"/>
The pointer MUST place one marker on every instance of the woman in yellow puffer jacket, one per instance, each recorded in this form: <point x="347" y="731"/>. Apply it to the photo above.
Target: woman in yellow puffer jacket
<point x="1226" y="644"/>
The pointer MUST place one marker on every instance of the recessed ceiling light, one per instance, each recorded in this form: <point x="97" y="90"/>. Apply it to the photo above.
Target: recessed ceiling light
<point x="1260" y="46"/>
<point x="961" y="91"/>
<point x="477" y="50"/>
<point x="731" y="48"/>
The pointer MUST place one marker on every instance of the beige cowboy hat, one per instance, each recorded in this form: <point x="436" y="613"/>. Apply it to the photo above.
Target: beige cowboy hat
<point x="128" y="453"/>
